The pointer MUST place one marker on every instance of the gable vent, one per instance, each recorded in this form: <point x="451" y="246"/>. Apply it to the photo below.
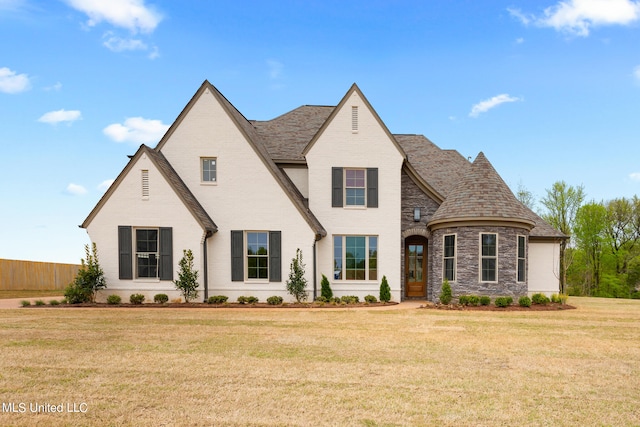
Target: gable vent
<point x="145" y="184"/>
<point x="354" y="119"/>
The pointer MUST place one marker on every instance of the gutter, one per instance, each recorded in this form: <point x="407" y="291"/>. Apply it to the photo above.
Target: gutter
<point x="205" y="271"/>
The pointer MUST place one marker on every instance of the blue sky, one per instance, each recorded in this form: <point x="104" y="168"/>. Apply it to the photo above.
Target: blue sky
<point x="548" y="90"/>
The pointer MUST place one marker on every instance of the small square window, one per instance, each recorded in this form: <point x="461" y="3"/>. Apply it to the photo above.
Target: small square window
<point x="209" y="169"/>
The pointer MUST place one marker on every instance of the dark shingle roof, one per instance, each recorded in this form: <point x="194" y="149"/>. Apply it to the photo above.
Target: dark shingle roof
<point x="481" y="194"/>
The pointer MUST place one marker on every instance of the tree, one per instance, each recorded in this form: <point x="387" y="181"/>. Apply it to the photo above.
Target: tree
<point x="89" y="280"/>
<point x="325" y="290"/>
<point x="297" y="283"/>
<point x="621" y="231"/>
<point x="525" y="196"/>
<point x="385" y="290"/>
<point x="562" y="203"/>
<point x="590" y="233"/>
<point x="187" y="282"/>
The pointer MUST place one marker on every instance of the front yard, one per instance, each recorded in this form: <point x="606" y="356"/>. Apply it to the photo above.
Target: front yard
<point x="321" y="367"/>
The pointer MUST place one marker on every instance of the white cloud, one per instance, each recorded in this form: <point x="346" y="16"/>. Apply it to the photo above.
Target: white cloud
<point x="55" y="117"/>
<point x="275" y="68"/>
<point x="54" y="88"/>
<point x="636" y="73"/>
<point x="10" y="82"/>
<point x="486" y="105"/>
<point x="76" y="190"/>
<point x="11" y="5"/>
<point x="118" y="44"/>
<point x="104" y="185"/>
<point x="577" y="17"/>
<point x="136" y="130"/>
<point x="133" y="15"/>
<point x="635" y="176"/>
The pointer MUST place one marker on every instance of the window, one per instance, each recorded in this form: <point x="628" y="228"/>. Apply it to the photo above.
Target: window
<point x="489" y="257"/>
<point x="258" y="255"/>
<point x="146" y="252"/>
<point x="355" y="257"/>
<point x="449" y="257"/>
<point x="354" y="119"/>
<point x="355" y="187"/>
<point x="209" y="169"/>
<point x="145" y="184"/>
<point x="522" y="259"/>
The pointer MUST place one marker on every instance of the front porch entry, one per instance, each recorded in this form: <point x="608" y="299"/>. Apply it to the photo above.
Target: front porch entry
<point x="415" y="267"/>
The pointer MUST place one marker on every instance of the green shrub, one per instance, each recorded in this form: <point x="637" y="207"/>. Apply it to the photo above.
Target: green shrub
<point x="385" y="290"/>
<point x="217" y="299"/>
<point x="445" y="293"/>
<point x="474" y="300"/>
<point x="247" y="300"/>
<point x="370" y="299"/>
<point x="160" y="298"/>
<point x="54" y="302"/>
<point x="89" y="279"/>
<point x="559" y="298"/>
<point x="350" y="299"/>
<point x="335" y="300"/>
<point x="136" y="299"/>
<point x="463" y="300"/>
<point x="114" y="299"/>
<point x="524" y="301"/>
<point x="540" y="299"/>
<point x="563" y="298"/>
<point x="75" y="294"/>
<point x="297" y="283"/>
<point x="323" y="299"/>
<point x="503" y="301"/>
<point x="485" y="300"/>
<point x="25" y="303"/>
<point x="187" y="282"/>
<point x="274" y="300"/>
<point x="39" y="302"/>
<point x="325" y="289"/>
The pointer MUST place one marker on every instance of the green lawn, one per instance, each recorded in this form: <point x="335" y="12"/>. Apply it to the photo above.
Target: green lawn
<point x="363" y="367"/>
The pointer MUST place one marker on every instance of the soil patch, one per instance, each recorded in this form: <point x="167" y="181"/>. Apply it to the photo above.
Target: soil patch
<point x="232" y="305"/>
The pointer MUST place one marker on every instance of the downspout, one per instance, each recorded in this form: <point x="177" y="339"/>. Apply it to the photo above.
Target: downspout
<point x="315" y="276"/>
<point x="205" y="270"/>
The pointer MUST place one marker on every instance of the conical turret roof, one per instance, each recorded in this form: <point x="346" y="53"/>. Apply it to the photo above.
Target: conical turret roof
<point x="481" y="195"/>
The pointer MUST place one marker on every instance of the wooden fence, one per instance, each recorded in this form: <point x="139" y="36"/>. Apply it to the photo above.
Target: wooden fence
<point x="30" y="275"/>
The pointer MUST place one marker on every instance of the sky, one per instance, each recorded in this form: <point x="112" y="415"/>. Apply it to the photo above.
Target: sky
<point x="549" y="90"/>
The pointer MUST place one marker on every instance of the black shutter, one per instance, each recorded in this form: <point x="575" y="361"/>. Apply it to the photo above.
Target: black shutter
<point x="237" y="256"/>
<point x="275" y="262"/>
<point x="336" y="187"/>
<point x="166" y="253"/>
<point x="125" y="260"/>
<point x="372" y="187"/>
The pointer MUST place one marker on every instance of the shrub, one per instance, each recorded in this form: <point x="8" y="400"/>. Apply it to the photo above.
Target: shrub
<point x="54" y="302"/>
<point x="524" y="301"/>
<point x="25" y="303"/>
<point x="297" y="283"/>
<point x="75" y="294"/>
<point x="474" y="300"/>
<point x="187" y="282"/>
<point x="217" y="299"/>
<point x="445" y="293"/>
<point x="274" y="300"/>
<point x="503" y="301"/>
<point x="350" y="299"/>
<point x="114" y="299"/>
<point x="39" y="302"/>
<point x="89" y="280"/>
<point x="370" y="299"/>
<point x="323" y="299"/>
<point x="485" y="300"/>
<point x="559" y="298"/>
<point x="335" y="300"/>
<point x="160" y="298"/>
<point x="540" y="299"/>
<point x="325" y="288"/>
<point x="247" y="300"/>
<point x="463" y="300"/>
<point x="136" y="299"/>
<point x="385" y="290"/>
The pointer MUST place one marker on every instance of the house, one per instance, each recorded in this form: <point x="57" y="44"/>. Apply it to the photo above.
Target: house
<point x="358" y="201"/>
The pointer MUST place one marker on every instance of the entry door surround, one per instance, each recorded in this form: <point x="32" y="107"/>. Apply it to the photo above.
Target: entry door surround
<point x="415" y="267"/>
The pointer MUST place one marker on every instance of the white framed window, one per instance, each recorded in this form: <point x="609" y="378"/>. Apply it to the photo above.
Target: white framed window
<point x="449" y="263"/>
<point x="146" y="255"/>
<point x="257" y="255"/>
<point x="209" y="169"/>
<point x="355" y="187"/>
<point x="522" y="259"/>
<point x="355" y="257"/>
<point x="488" y="257"/>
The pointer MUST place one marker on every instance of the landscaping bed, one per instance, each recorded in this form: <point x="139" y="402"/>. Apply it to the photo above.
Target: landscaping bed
<point x="552" y="306"/>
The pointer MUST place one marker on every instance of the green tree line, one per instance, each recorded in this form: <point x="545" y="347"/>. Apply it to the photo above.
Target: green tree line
<point x="601" y="257"/>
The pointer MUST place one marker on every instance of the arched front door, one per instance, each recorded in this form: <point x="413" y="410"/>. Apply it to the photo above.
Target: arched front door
<point x="415" y="267"/>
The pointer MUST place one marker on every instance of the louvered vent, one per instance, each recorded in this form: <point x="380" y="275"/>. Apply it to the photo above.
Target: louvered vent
<point x="354" y="119"/>
<point x="145" y="184"/>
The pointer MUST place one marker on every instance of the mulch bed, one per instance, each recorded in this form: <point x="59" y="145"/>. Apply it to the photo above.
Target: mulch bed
<point x="226" y="305"/>
<point x="514" y="307"/>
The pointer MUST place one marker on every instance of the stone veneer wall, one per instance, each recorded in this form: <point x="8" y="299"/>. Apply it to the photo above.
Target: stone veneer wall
<point x="468" y="263"/>
<point x="414" y="197"/>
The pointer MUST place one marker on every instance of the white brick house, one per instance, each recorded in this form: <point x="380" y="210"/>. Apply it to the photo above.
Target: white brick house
<point x="359" y="201"/>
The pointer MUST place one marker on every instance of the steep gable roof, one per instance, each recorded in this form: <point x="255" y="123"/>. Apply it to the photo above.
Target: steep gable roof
<point x="481" y="195"/>
<point x="170" y="175"/>
<point x="255" y="140"/>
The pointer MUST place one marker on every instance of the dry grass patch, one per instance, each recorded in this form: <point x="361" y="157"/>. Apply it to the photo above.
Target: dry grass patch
<point x="315" y="367"/>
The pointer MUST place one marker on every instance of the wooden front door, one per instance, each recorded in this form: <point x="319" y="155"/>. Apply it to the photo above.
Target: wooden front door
<point x="415" y="267"/>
